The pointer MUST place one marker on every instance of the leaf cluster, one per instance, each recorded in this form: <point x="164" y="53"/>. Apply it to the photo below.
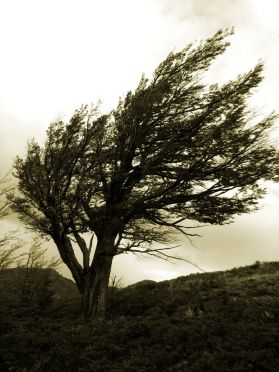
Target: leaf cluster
<point x="173" y="150"/>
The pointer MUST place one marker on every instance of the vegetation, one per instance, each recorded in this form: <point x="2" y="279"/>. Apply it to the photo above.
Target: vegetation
<point x="174" y="150"/>
<point x="27" y="285"/>
<point x="9" y="242"/>
<point x="223" y="321"/>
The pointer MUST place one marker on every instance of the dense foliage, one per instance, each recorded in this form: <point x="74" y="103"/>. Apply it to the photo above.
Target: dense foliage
<point x="175" y="150"/>
<point x="224" y="321"/>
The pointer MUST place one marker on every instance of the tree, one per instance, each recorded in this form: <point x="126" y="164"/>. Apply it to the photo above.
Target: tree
<point x="174" y="150"/>
<point x="9" y="246"/>
<point x="27" y="286"/>
<point x="34" y="281"/>
<point x="9" y="242"/>
<point x="4" y="190"/>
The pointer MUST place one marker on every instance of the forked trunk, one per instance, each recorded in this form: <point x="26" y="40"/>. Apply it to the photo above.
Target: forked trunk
<point x="95" y="283"/>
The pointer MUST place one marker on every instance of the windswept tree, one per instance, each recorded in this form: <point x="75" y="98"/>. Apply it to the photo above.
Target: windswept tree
<point x="174" y="150"/>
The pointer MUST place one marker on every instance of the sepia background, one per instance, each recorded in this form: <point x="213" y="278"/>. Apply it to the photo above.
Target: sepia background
<point x="57" y="55"/>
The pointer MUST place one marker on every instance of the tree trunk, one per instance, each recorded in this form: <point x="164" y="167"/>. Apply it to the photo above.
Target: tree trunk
<point x="95" y="282"/>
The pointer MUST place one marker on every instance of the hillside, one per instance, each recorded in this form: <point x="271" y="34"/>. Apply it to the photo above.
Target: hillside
<point x="255" y="288"/>
<point x="23" y="290"/>
<point x="221" y="321"/>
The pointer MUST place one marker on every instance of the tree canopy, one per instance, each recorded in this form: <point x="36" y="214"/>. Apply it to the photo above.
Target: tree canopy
<point x="174" y="150"/>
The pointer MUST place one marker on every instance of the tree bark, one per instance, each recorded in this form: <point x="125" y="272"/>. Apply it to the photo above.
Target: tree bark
<point x="94" y="289"/>
<point x="67" y="254"/>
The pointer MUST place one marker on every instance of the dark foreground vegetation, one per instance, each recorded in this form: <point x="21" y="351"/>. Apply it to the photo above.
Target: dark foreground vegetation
<point x="223" y="321"/>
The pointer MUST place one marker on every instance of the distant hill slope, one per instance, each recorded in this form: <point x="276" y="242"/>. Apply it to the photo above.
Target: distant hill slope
<point x="253" y="288"/>
<point x="43" y="288"/>
<point x="219" y="322"/>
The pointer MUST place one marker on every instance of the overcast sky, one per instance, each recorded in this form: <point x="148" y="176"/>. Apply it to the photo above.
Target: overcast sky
<point x="59" y="54"/>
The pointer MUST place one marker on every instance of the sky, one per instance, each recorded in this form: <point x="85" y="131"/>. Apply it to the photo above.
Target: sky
<point x="59" y="54"/>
